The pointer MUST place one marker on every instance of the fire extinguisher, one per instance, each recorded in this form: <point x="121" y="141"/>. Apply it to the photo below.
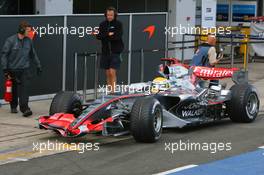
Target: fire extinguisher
<point x="8" y="90"/>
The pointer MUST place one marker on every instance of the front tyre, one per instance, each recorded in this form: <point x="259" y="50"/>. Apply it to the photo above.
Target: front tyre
<point x="244" y="104"/>
<point x="146" y="120"/>
<point x="66" y="102"/>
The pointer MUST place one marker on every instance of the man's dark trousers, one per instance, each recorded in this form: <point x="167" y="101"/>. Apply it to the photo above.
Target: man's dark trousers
<point x="20" y="95"/>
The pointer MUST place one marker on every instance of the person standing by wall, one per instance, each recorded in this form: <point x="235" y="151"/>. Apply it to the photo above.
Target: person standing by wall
<point x="17" y="53"/>
<point x="110" y="34"/>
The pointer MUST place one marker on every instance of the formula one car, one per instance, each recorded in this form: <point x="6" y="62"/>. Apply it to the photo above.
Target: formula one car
<point x="180" y="97"/>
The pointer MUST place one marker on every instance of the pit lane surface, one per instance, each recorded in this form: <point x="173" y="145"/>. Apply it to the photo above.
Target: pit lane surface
<point x="129" y="157"/>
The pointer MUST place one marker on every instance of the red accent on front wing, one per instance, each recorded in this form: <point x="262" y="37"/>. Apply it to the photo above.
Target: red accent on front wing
<point x="61" y="123"/>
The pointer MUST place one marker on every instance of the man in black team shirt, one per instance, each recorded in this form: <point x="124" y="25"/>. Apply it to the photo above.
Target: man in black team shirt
<point x="17" y="54"/>
<point x="110" y="34"/>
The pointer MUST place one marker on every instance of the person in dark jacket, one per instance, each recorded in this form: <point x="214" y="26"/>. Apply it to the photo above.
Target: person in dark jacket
<point x="110" y="34"/>
<point x="206" y="56"/>
<point x="17" y="54"/>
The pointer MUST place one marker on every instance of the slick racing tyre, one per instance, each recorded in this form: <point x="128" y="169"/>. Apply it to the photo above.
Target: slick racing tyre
<point x="146" y="120"/>
<point x="244" y="103"/>
<point x="66" y="102"/>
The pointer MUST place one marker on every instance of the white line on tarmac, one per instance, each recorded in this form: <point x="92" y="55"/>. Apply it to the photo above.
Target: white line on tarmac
<point x="177" y="169"/>
<point x="20" y="159"/>
<point x="262" y="147"/>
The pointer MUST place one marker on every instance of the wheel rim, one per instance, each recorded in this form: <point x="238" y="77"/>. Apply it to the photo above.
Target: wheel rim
<point x="252" y="105"/>
<point x="157" y="120"/>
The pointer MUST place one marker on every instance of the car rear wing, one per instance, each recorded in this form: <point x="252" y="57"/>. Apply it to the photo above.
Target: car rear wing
<point x="214" y="73"/>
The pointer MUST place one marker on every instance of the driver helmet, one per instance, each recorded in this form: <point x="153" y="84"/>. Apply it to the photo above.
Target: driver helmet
<point x="160" y="84"/>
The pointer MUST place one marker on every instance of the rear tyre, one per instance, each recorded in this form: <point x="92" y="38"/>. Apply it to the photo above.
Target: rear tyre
<point x="66" y="102"/>
<point x="244" y="103"/>
<point x="146" y="120"/>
